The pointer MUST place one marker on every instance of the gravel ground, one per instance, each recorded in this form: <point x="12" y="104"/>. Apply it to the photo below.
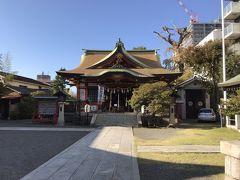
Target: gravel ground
<point x="23" y="151"/>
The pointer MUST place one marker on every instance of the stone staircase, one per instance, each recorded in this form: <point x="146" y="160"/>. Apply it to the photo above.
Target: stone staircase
<point x="115" y="119"/>
<point x="75" y="119"/>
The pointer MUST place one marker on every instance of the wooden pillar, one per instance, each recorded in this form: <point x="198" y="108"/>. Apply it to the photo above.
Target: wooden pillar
<point x="118" y="102"/>
<point x="86" y="91"/>
<point x="78" y="97"/>
<point x="110" y="101"/>
<point x="9" y="108"/>
<point x="126" y="100"/>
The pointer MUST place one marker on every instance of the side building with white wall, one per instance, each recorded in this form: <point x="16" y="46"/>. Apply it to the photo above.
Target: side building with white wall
<point x="191" y="97"/>
<point x="216" y="34"/>
<point x="199" y="31"/>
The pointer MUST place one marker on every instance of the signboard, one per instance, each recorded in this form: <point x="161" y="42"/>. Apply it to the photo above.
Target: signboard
<point x="100" y="93"/>
<point x="46" y="107"/>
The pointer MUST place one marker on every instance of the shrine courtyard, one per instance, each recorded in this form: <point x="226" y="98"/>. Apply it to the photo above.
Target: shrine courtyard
<point x="75" y="154"/>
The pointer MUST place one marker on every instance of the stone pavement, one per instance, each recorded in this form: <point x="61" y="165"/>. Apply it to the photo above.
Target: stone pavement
<point x="180" y="148"/>
<point x="44" y="129"/>
<point x="106" y="153"/>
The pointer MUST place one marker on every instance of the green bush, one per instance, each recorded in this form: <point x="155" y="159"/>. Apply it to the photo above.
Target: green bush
<point x="156" y="97"/>
<point x="232" y="105"/>
<point x="14" y="115"/>
<point x="38" y="93"/>
<point x="27" y="107"/>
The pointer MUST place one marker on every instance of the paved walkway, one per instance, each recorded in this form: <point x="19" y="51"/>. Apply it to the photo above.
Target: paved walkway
<point x="180" y="148"/>
<point x="106" y="153"/>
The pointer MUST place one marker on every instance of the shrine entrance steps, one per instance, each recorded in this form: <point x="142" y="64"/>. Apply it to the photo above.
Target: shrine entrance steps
<point x="115" y="119"/>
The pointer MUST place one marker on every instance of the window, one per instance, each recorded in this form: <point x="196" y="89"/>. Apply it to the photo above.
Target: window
<point x="92" y="94"/>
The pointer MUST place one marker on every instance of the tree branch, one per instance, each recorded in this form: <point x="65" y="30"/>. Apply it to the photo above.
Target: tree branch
<point x="168" y="37"/>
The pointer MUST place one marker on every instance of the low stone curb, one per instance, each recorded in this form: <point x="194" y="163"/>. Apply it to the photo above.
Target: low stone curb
<point x="180" y="148"/>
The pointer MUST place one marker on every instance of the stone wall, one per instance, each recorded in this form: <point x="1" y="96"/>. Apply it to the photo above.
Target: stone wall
<point x="231" y="150"/>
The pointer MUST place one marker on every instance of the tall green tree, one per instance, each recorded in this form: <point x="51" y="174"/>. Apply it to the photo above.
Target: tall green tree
<point x="232" y="105"/>
<point x="206" y="61"/>
<point x="232" y="64"/>
<point x="155" y="96"/>
<point x="59" y="83"/>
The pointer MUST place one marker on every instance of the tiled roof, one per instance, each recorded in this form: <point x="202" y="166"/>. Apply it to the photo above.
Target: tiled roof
<point x="24" y="79"/>
<point x="26" y="91"/>
<point x="235" y="81"/>
<point x="91" y="57"/>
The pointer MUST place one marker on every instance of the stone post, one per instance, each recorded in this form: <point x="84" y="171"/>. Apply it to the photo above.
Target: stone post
<point x="237" y="122"/>
<point x="227" y="121"/>
<point x="172" y="119"/>
<point x="61" y="114"/>
<point x="231" y="150"/>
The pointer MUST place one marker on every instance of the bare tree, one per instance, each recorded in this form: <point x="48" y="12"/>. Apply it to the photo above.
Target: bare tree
<point x="176" y="45"/>
<point x="5" y="63"/>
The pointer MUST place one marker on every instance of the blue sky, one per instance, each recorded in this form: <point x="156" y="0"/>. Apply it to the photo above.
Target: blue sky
<point x="45" y="35"/>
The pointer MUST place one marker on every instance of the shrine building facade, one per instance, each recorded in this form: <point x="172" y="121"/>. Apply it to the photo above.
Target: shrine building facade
<point x="106" y="78"/>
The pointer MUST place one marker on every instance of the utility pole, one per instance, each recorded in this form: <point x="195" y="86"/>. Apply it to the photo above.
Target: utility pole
<point x="223" y="50"/>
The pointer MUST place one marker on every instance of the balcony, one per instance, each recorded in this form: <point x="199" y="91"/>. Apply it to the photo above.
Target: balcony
<point x="232" y="31"/>
<point x="232" y="11"/>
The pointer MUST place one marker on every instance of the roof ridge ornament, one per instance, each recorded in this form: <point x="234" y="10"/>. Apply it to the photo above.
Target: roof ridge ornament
<point x="119" y="62"/>
<point x="120" y="43"/>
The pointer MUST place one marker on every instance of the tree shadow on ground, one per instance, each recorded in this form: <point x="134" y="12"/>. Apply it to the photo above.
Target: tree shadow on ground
<point x="159" y="170"/>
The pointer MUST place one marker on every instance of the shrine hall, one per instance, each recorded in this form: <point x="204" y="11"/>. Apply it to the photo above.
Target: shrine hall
<point x="106" y="78"/>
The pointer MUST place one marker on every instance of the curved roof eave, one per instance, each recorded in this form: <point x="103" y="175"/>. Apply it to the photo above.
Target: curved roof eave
<point x="119" y="70"/>
<point x="235" y="81"/>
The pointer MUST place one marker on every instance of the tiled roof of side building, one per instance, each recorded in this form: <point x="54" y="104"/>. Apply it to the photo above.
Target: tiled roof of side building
<point x="235" y="81"/>
<point x="24" y="79"/>
<point x="27" y="91"/>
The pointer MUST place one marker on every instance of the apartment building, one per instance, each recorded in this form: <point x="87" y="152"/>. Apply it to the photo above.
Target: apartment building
<point x="199" y="31"/>
<point x="232" y="30"/>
